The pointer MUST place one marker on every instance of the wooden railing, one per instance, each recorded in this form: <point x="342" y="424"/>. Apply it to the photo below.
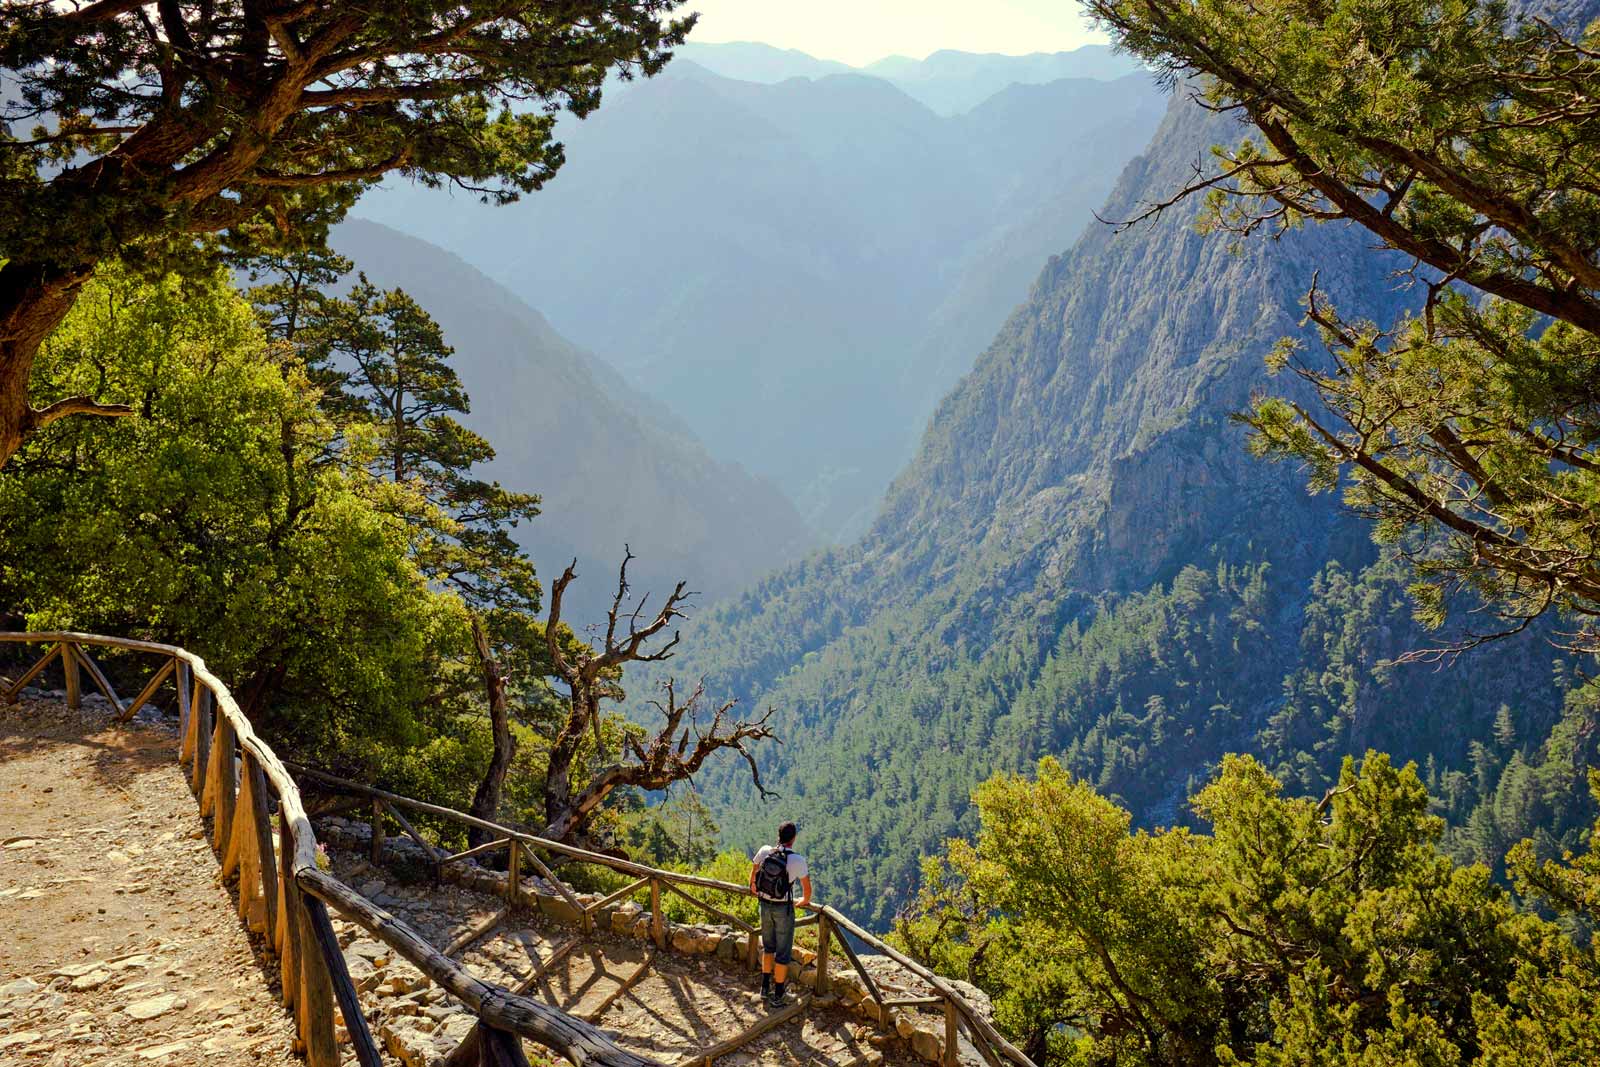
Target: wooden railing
<point x="237" y="778"/>
<point x="833" y="927"/>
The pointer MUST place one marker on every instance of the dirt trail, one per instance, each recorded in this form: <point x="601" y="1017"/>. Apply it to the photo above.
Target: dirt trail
<point x="117" y="944"/>
<point x="681" y="1004"/>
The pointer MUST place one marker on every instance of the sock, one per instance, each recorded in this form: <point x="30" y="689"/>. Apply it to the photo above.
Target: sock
<point x="766" y="984"/>
<point x="777" y="990"/>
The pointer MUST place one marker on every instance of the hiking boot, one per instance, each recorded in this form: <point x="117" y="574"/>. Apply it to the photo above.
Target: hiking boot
<point x="777" y="999"/>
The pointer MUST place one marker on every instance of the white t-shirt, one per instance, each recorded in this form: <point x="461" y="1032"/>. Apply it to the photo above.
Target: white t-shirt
<point x="797" y="866"/>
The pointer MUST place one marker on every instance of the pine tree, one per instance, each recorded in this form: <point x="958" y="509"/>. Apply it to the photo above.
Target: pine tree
<point x="161" y="122"/>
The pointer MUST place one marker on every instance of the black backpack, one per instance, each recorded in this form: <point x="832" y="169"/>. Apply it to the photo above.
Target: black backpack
<point x="772" y="880"/>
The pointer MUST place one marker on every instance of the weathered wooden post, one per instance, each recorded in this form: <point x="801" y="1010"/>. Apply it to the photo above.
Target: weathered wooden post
<point x="824" y="948"/>
<point x="202" y="752"/>
<point x="223" y="787"/>
<point x="267" y="863"/>
<point x="657" y="930"/>
<point x="288" y="920"/>
<point x="344" y="990"/>
<point x="952" y="1034"/>
<point x="316" y="993"/>
<point x="375" y="852"/>
<point x="186" y="713"/>
<point x="69" y="667"/>
<point x="240" y="854"/>
<point x="514" y="871"/>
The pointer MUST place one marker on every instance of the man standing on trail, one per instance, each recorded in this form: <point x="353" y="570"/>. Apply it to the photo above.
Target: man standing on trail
<point x="773" y="874"/>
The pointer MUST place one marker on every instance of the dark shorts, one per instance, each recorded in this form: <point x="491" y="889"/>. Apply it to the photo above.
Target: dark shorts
<point x="777" y="930"/>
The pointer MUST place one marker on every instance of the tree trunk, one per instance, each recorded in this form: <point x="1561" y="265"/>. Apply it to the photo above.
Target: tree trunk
<point x="33" y="300"/>
<point x="559" y="816"/>
<point x="486" y="801"/>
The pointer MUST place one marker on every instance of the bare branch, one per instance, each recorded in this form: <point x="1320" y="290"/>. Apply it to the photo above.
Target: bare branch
<point x="75" y="405"/>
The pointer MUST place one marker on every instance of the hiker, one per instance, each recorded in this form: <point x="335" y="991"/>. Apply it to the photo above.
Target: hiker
<point x="773" y="874"/>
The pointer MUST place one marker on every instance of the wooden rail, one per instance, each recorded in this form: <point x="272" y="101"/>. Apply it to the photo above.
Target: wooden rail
<point x="833" y="926"/>
<point x="234" y="775"/>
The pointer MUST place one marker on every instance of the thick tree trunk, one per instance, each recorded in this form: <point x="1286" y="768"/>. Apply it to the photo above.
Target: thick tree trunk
<point x="33" y="301"/>
<point x="561" y="819"/>
<point x="486" y="801"/>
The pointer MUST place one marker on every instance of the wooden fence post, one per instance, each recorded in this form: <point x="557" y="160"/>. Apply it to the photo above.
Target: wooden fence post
<point x="267" y="863"/>
<point x="288" y="920"/>
<point x="69" y="667"/>
<point x="201" y="706"/>
<point x="952" y="1034"/>
<point x="514" y="872"/>
<point x="223" y="787"/>
<point x="657" y="929"/>
<point x="186" y="713"/>
<point x="824" y="947"/>
<point x="316" y="993"/>
<point x="241" y="850"/>
<point x="376" y="851"/>
<point x="497" y="1048"/>
<point x="344" y="990"/>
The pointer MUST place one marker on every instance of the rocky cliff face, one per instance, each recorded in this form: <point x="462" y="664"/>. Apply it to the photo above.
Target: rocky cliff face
<point x="1083" y="561"/>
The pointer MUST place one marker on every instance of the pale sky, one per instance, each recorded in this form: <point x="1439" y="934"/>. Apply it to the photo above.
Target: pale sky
<point x="860" y="31"/>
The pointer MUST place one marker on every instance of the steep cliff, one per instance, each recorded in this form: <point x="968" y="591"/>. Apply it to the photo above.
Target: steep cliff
<point x="1082" y="560"/>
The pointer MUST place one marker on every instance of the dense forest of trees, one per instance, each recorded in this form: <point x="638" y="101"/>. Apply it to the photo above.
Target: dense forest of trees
<point x="295" y="501"/>
<point x="1337" y="930"/>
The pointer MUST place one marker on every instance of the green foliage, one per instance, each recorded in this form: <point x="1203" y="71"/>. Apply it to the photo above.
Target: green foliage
<point x="193" y="523"/>
<point x="226" y="116"/>
<point x="1297" y="931"/>
<point x="1454" y="132"/>
<point x="889" y="728"/>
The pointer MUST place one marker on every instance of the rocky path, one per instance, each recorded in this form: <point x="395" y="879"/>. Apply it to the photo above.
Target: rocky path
<point x="117" y="945"/>
<point x="681" y="1004"/>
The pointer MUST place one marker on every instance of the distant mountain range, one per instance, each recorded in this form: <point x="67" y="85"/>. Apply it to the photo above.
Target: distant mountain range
<point x="613" y="466"/>
<point x="1083" y="561"/>
<point x="800" y="266"/>
<point x="949" y="82"/>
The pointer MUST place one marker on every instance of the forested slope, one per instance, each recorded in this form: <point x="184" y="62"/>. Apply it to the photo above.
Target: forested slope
<point x="1083" y="560"/>
<point x="612" y="466"/>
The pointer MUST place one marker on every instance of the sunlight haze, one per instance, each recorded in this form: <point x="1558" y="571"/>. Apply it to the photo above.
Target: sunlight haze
<point x="858" y="34"/>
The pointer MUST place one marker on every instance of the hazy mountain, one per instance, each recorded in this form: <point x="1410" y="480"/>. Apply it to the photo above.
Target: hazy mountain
<point x="951" y="82"/>
<point x="799" y="270"/>
<point x="1083" y="561"/>
<point x="612" y="465"/>
<point x="752" y="61"/>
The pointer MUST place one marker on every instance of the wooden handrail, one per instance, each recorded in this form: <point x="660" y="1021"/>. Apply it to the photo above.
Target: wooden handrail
<point x="580" y="1042"/>
<point x="313" y="979"/>
<point x="838" y="923"/>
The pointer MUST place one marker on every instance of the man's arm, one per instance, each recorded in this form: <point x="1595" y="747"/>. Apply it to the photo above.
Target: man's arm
<point x="805" y="890"/>
<point x="753" y="868"/>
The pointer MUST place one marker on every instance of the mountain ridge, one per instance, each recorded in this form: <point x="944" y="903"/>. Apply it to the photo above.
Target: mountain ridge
<point x="1083" y="561"/>
<point x="612" y="467"/>
<point x="811" y="341"/>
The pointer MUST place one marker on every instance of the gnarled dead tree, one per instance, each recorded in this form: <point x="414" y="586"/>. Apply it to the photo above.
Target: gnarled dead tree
<point x="679" y="747"/>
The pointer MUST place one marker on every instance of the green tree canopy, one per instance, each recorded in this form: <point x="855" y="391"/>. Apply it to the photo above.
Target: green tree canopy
<point x="1298" y="931"/>
<point x="126" y="127"/>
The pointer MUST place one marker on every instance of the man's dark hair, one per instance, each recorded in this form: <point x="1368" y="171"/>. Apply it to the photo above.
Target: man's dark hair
<point x="786" y="833"/>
